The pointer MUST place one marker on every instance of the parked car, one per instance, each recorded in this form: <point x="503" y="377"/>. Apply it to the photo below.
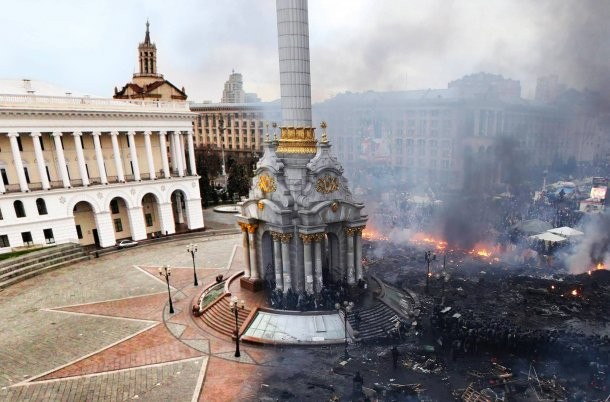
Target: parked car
<point x="126" y="243"/>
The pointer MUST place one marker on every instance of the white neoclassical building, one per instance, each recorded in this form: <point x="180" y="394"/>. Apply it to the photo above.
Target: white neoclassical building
<point x="93" y="170"/>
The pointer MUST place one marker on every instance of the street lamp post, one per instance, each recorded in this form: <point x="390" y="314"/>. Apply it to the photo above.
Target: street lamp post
<point x="346" y="308"/>
<point x="235" y="304"/>
<point x="429" y="258"/>
<point x="192" y="248"/>
<point x="167" y="271"/>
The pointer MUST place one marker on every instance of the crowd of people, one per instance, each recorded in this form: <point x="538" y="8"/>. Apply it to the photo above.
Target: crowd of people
<point x="326" y="299"/>
<point x="459" y="335"/>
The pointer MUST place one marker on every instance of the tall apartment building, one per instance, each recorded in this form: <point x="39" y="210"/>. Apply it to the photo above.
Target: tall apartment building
<point x="92" y="171"/>
<point x="433" y="136"/>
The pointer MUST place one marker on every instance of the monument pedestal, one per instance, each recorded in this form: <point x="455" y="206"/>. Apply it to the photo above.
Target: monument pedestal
<point x="253" y="285"/>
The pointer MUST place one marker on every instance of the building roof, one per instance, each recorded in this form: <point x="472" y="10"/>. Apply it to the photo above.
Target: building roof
<point x="34" y="87"/>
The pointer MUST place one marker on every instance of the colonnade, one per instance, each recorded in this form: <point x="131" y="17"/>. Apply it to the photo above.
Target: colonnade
<point x="312" y="256"/>
<point x="177" y="149"/>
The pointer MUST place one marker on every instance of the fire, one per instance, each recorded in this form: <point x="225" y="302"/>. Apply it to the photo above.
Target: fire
<point x="482" y="250"/>
<point x="575" y="292"/>
<point x="428" y="240"/>
<point x="371" y="234"/>
<point x="600" y="266"/>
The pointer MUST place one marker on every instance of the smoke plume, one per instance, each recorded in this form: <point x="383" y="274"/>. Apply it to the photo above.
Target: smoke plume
<point x="594" y="247"/>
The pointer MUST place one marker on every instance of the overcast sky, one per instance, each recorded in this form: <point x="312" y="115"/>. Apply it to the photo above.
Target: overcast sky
<point x="90" y="46"/>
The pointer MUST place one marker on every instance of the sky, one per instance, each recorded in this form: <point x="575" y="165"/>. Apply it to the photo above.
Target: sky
<point x="90" y="46"/>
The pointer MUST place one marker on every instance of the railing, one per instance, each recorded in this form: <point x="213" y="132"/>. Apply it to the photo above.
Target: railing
<point x="93" y="181"/>
<point x="90" y="102"/>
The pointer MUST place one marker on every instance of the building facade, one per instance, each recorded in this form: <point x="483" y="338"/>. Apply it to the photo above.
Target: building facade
<point x="432" y="136"/>
<point x="92" y="171"/>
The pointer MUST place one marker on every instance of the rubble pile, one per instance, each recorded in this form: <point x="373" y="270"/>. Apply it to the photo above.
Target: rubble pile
<point x="480" y="306"/>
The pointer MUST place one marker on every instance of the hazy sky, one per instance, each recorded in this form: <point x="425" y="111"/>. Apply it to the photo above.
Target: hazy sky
<point x="90" y="46"/>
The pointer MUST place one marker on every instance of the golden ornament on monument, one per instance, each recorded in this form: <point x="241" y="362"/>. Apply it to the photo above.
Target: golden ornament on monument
<point x="260" y="205"/>
<point x="266" y="183"/>
<point x="327" y="184"/>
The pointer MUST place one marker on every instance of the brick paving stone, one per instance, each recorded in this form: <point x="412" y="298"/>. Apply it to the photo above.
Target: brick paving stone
<point x="153" y="346"/>
<point x="147" y="307"/>
<point x="176" y="383"/>
<point x="224" y="381"/>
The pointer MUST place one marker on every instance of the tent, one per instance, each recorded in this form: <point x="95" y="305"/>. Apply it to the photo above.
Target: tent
<point x="532" y="226"/>
<point x="566" y="231"/>
<point x="547" y="236"/>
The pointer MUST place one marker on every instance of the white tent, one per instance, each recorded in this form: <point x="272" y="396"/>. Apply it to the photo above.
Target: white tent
<point x="566" y="231"/>
<point x="546" y="236"/>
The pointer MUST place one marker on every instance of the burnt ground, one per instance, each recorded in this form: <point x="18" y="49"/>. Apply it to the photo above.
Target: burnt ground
<point x="504" y="322"/>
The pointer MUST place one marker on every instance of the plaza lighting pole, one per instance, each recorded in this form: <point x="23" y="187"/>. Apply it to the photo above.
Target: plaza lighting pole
<point x="192" y="248"/>
<point x="429" y="258"/>
<point x="167" y="271"/>
<point x="346" y="308"/>
<point x="235" y="304"/>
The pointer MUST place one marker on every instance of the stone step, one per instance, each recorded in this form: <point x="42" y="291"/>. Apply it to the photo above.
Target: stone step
<point x="220" y="318"/>
<point x="38" y="254"/>
<point x="51" y="259"/>
<point x="6" y="283"/>
<point x="375" y="322"/>
<point x="40" y="258"/>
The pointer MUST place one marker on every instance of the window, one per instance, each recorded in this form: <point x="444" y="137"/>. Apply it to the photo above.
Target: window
<point x="79" y="232"/>
<point x="26" y="237"/>
<point x="4" y="241"/>
<point x="118" y="225"/>
<point x="4" y="176"/>
<point x="19" y="144"/>
<point x="48" y="236"/>
<point x="114" y="206"/>
<point x="19" y="210"/>
<point x="149" y="219"/>
<point x="41" y="143"/>
<point x="41" y="206"/>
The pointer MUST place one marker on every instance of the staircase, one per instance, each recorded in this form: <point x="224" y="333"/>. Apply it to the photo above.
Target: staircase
<point x="35" y="263"/>
<point x="220" y="318"/>
<point x="375" y="322"/>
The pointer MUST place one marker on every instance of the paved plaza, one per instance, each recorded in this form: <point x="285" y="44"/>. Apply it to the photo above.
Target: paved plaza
<point x="101" y="330"/>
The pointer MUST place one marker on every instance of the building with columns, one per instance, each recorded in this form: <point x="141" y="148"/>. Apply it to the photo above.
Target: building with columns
<point x="301" y="227"/>
<point x="92" y="170"/>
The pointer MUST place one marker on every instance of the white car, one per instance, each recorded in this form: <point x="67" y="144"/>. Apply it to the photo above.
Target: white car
<point x="126" y="243"/>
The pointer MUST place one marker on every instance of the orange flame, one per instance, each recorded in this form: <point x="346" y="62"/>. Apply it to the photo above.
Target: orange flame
<point x="428" y="240"/>
<point x="600" y="266"/>
<point x="575" y="292"/>
<point x="371" y="234"/>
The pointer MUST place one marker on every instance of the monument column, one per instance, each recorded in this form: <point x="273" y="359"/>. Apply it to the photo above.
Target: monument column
<point x="246" y="247"/>
<point x="117" y="157"/>
<point x="349" y="232"/>
<point x="253" y="255"/>
<point x="40" y="161"/>
<point x="99" y="157"/>
<point x="277" y="259"/>
<point x="23" y="184"/>
<point x="80" y="157"/>
<point x="164" y="159"/>
<point x="286" y="238"/>
<point x="133" y="155"/>
<point x="318" y="278"/>
<point x="358" y="238"/>
<point x="149" y="155"/>
<point x="308" y="263"/>
<point x="61" y="160"/>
